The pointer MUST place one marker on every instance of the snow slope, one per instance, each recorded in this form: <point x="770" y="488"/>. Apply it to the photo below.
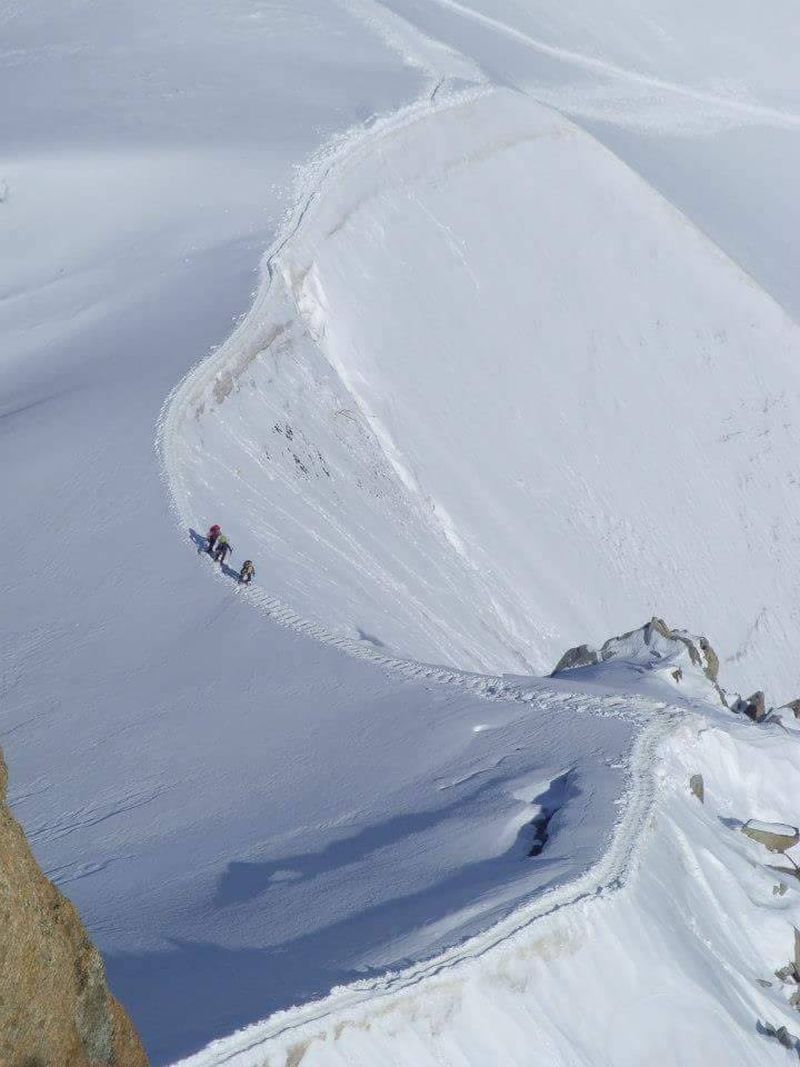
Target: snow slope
<point x="444" y="390"/>
<point x="244" y="816"/>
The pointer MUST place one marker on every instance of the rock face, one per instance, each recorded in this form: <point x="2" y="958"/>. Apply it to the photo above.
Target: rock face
<point x="55" y="1006"/>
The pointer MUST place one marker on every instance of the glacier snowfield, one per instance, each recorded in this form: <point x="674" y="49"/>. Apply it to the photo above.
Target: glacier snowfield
<point x="475" y="326"/>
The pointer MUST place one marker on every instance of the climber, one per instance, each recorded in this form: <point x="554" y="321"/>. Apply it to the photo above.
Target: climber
<point x="212" y="536"/>
<point x="247" y="573"/>
<point x="222" y="549"/>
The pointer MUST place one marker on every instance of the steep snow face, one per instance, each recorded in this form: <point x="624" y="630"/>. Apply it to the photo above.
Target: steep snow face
<point x="496" y="397"/>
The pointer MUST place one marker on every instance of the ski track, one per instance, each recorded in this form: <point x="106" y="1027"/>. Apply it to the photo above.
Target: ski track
<point x="656" y="719"/>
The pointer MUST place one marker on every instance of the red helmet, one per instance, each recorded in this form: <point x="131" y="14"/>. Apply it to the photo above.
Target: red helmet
<point x="213" y="528"/>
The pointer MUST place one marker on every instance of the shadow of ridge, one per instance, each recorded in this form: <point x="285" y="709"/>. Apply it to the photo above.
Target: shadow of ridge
<point x="183" y="997"/>
<point x="243" y="880"/>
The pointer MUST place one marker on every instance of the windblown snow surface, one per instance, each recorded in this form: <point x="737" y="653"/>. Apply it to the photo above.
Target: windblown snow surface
<point x="520" y="371"/>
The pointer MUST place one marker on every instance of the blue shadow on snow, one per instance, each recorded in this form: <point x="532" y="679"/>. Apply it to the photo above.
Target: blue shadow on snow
<point x="186" y="995"/>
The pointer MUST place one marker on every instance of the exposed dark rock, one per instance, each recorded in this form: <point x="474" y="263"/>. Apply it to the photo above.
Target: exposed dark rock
<point x="787" y="974"/>
<point x="787" y="1039"/>
<point x="790" y="973"/>
<point x="539" y="826"/>
<point x="781" y="1034"/>
<point x="580" y="656"/>
<point x="754" y="707"/>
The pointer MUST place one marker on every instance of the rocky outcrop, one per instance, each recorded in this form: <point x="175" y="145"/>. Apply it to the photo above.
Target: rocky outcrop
<point x="655" y="646"/>
<point x="678" y="657"/>
<point x="701" y="654"/>
<point x="777" y="837"/>
<point x="754" y="707"/>
<point x="781" y="1034"/>
<point x="55" y="1006"/>
<point x="580" y="656"/>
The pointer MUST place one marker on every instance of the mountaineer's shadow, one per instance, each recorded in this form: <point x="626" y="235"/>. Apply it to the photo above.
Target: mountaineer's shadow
<point x="201" y="541"/>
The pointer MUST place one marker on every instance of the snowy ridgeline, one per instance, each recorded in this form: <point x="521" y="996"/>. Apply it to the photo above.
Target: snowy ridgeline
<point x="498" y="396"/>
